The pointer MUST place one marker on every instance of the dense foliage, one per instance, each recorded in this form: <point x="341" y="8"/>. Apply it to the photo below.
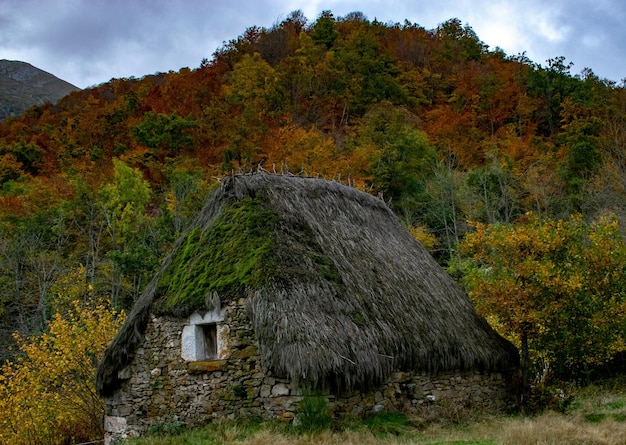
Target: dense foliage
<point x="47" y="395"/>
<point x="95" y="189"/>
<point x="558" y="288"/>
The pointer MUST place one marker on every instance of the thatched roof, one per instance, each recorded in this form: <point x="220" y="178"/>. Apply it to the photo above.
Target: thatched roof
<point x="337" y="288"/>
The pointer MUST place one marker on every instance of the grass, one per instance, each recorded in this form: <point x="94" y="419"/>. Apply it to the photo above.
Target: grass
<point x="598" y="416"/>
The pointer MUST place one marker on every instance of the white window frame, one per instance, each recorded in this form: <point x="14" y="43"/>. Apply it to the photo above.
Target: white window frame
<point x="194" y="343"/>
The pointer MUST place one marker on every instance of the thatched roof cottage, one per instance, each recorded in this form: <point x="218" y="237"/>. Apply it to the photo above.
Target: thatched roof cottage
<point x="286" y="283"/>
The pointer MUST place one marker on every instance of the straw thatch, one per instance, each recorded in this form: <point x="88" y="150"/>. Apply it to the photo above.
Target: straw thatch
<point x="348" y="294"/>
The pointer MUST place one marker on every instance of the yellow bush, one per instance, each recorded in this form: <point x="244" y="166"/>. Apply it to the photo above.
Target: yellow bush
<point x="428" y="240"/>
<point x="47" y="395"/>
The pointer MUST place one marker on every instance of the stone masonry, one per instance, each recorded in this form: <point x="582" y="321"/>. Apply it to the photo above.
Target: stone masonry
<point x="159" y="388"/>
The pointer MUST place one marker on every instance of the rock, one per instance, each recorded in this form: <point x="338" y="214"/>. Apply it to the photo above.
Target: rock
<point x="245" y="353"/>
<point x="199" y="367"/>
<point x="265" y="391"/>
<point x="286" y="416"/>
<point x="280" y="389"/>
<point x="115" y="425"/>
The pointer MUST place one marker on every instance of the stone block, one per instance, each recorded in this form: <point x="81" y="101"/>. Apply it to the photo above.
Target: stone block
<point x="389" y="392"/>
<point x="201" y="367"/>
<point x="280" y="389"/>
<point x="265" y="391"/>
<point x="378" y="396"/>
<point x="286" y="416"/>
<point x="115" y="425"/>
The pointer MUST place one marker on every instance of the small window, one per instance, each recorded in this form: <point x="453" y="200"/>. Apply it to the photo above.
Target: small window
<point x="200" y="338"/>
<point x="209" y="334"/>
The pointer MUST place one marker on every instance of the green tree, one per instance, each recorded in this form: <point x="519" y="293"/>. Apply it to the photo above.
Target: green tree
<point x="494" y="191"/>
<point x="579" y="138"/>
<point x="551" y="85"/>
<point x="32" y="257"/>
<point x="325" y="30"/>
<point x="164" y="132"/>
<point x="185" y="197"/>
<point x="401" y="156"/>
<point x="460" y="41"/>
<point x="124" y="202"/>
<point x="442" y="211"/>
<point x="369" y="74"/>
<point x="303" y="80"/>
<point x="248" y="94"/>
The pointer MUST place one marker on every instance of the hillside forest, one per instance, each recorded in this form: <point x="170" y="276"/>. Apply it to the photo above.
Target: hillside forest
<point x="511" y="172"/>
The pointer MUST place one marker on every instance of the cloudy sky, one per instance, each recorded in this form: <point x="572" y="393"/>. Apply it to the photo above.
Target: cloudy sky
<point x="87" y="42"/>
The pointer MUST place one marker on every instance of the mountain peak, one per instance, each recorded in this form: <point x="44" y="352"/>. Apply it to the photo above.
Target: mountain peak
<point x="22" y="85"/>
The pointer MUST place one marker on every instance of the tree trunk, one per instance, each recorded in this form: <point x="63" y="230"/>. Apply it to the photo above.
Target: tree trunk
<point x="525" y="363"/>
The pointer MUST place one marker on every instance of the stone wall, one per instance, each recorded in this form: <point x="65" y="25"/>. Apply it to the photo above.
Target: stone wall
<point x="160" y="389"/>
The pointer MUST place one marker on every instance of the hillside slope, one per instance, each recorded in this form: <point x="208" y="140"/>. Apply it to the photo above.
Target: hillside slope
<point x="23" y="85"/>
<point x="447" y="131"/>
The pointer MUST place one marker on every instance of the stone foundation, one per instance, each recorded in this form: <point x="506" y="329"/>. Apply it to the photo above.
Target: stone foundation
<point x="160" y="389"/>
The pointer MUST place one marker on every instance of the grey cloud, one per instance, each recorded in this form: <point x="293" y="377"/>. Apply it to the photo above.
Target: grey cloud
<point x="89" y="41"/>
<point x="597" y="37"/>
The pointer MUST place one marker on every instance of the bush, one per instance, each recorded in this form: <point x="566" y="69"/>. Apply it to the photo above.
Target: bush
<point x="47" y="395"/>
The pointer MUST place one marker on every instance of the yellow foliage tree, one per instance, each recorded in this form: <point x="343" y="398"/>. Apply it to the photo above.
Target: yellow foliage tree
<point x="47" y="395"/>
<point x="558" y="286"/>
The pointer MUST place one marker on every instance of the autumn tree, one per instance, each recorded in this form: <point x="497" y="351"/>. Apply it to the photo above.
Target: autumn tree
<point x="47" y="394"/>
<point x="555" y="287"/>
<point x="281" y="41"/>
<point x="28" y="154"/>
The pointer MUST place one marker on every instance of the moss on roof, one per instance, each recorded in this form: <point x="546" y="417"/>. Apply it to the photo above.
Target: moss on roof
<point x="230" y="254"/>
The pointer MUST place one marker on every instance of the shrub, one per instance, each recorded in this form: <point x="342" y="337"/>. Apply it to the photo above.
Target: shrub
<point x="47" y="395"/>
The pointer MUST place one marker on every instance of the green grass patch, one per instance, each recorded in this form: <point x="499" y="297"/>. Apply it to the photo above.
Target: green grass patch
<point x="618" y="404"/>
<point x="217" y="433"/>
<point x="467" y="442"/>
<point x="595" y="417"/>
<point x="313" y="415"/>
<point x="619" y="417"/>
<point x="388" y="424"/>
<point x="169" y="429"/>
